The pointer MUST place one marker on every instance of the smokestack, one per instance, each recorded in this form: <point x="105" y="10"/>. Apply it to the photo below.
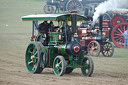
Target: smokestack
<point x="100" y="23"/>
<point x="74" y="21"/>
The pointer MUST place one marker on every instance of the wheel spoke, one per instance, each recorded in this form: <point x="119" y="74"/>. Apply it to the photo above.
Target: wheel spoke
<point x="35" y="53"/>
<point x="117" y="34"/>
<point x="124" y="29"/>
<point x="33" y="68"/>
<point x="117" y="31"/>
<point x="30" y="62"/>
<point x="43" y="58"/>
<point x="86" y="66"/>
<point x="120" y="31"/>
<point x="117" y="39"/>
<point x="60" y="63"/>
<point x="30" y="50"/>
<point x="35" y="59"/>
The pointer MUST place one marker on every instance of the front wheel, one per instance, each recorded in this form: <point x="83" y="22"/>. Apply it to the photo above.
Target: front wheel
<point x="59" y="65"/>
<point x="88" y="66"/>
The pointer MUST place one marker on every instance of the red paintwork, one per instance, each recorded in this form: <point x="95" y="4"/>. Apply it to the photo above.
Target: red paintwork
<point x="76" y="49"/>
<point x="106" y="23"/>
<point x="117" y="34"/>
<point x="82" y="42"/>
<point x="116" y="19"/>
<point x="33" y="37"/>
<point x="80" y="34"/>
<point x="87" y="37"/>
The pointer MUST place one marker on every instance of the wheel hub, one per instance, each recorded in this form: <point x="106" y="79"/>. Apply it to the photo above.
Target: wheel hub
<point x="118" y="22"/>
<point x="107" y="49"/>
<point x="32" y="57"/>
<point x="57" y="65"/>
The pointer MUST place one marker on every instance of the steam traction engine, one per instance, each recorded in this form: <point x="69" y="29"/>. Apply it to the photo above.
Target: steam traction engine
<point x="94" y="40"/>
<point x="62" y="52"/>
<point x="67" y="5"/>
<point x="119" y="24"/>
<point x="63" y="5"/>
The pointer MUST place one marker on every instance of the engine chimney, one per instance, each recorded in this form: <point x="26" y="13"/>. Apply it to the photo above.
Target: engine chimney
<point x="74" y="21"/>
<point x="100" y="23"/>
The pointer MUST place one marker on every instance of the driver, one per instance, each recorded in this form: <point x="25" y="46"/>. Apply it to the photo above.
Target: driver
<point x="43" y="27"/>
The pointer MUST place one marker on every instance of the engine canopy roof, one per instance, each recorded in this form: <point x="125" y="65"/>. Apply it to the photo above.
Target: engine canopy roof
<point x="60" y="17"/>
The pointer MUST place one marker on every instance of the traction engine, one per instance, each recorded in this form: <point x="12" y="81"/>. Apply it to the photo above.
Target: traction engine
<point x="94" y="39"/>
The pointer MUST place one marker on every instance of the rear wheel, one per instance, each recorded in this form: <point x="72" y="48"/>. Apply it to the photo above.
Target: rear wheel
<point x="59" y="65"/>
<point x="117" y="34"/>
<point x="117" y="19"/>
<point x="74" y="5"/>
<point x="88" y="66"/>
<point x="33" y="58"/>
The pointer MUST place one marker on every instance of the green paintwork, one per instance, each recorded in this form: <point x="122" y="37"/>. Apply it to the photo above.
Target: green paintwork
<point x="52" y="55"/>
<point x="59" y="63"/>
<point x="87" y="67"/>
<point x="53" y="38"/>
<point x="80" y="58"/>
<point x="70" y="57"/>
<point x="29" y="53"/>
<point x="31" y="63"/>
<point x="56" y="47"/>
<point x="60" y="17"/>
<point x="76" y="61"/>
<point x="51" y="52"/>
<point x="61" y="49"/>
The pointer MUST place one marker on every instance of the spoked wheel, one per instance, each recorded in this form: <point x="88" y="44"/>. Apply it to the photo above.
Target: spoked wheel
<point x="74" y="5"/>
<point x="59" y="65"/>
<point x="117" y="19"/>
<point x="117" y="34"/>
<point x="107" y="49"/>
<point x="33" y="58"/>
<point x="48" y="9"/>
<point x="88" y="66"/>
<point x="94" y="48"/>
<point x="68" y="70"/>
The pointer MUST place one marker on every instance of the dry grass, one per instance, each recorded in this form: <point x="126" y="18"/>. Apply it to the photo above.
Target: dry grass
<point x="15" y="36"/>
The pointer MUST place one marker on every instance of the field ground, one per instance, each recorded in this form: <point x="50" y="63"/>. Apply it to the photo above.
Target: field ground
<point x="14" y="38"/>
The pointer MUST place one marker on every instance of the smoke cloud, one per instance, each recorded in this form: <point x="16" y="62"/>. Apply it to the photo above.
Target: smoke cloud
<point x="110" y="5"/>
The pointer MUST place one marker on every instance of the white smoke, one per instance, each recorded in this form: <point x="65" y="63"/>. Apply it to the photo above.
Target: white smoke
<point x="110" y="5"/>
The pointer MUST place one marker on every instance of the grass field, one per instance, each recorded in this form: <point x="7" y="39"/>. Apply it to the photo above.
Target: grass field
<point x="15" y="36"/>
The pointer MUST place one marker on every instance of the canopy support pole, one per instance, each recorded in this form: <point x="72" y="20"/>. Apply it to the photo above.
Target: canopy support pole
<point x="33" y="28"/>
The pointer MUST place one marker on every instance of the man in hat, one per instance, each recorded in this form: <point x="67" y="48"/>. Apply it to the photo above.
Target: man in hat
<point x="126" y="39"/>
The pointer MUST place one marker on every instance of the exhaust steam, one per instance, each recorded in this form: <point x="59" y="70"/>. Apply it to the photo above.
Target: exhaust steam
<point x="110" y="5"/>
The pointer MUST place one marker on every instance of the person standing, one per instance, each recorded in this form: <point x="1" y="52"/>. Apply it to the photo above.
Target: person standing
<point x="126" y="39"/>
<point x="57" y="6"/>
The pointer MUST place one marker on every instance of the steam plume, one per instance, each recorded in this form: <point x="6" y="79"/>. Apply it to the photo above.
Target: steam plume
<point x="110" y="5"/>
